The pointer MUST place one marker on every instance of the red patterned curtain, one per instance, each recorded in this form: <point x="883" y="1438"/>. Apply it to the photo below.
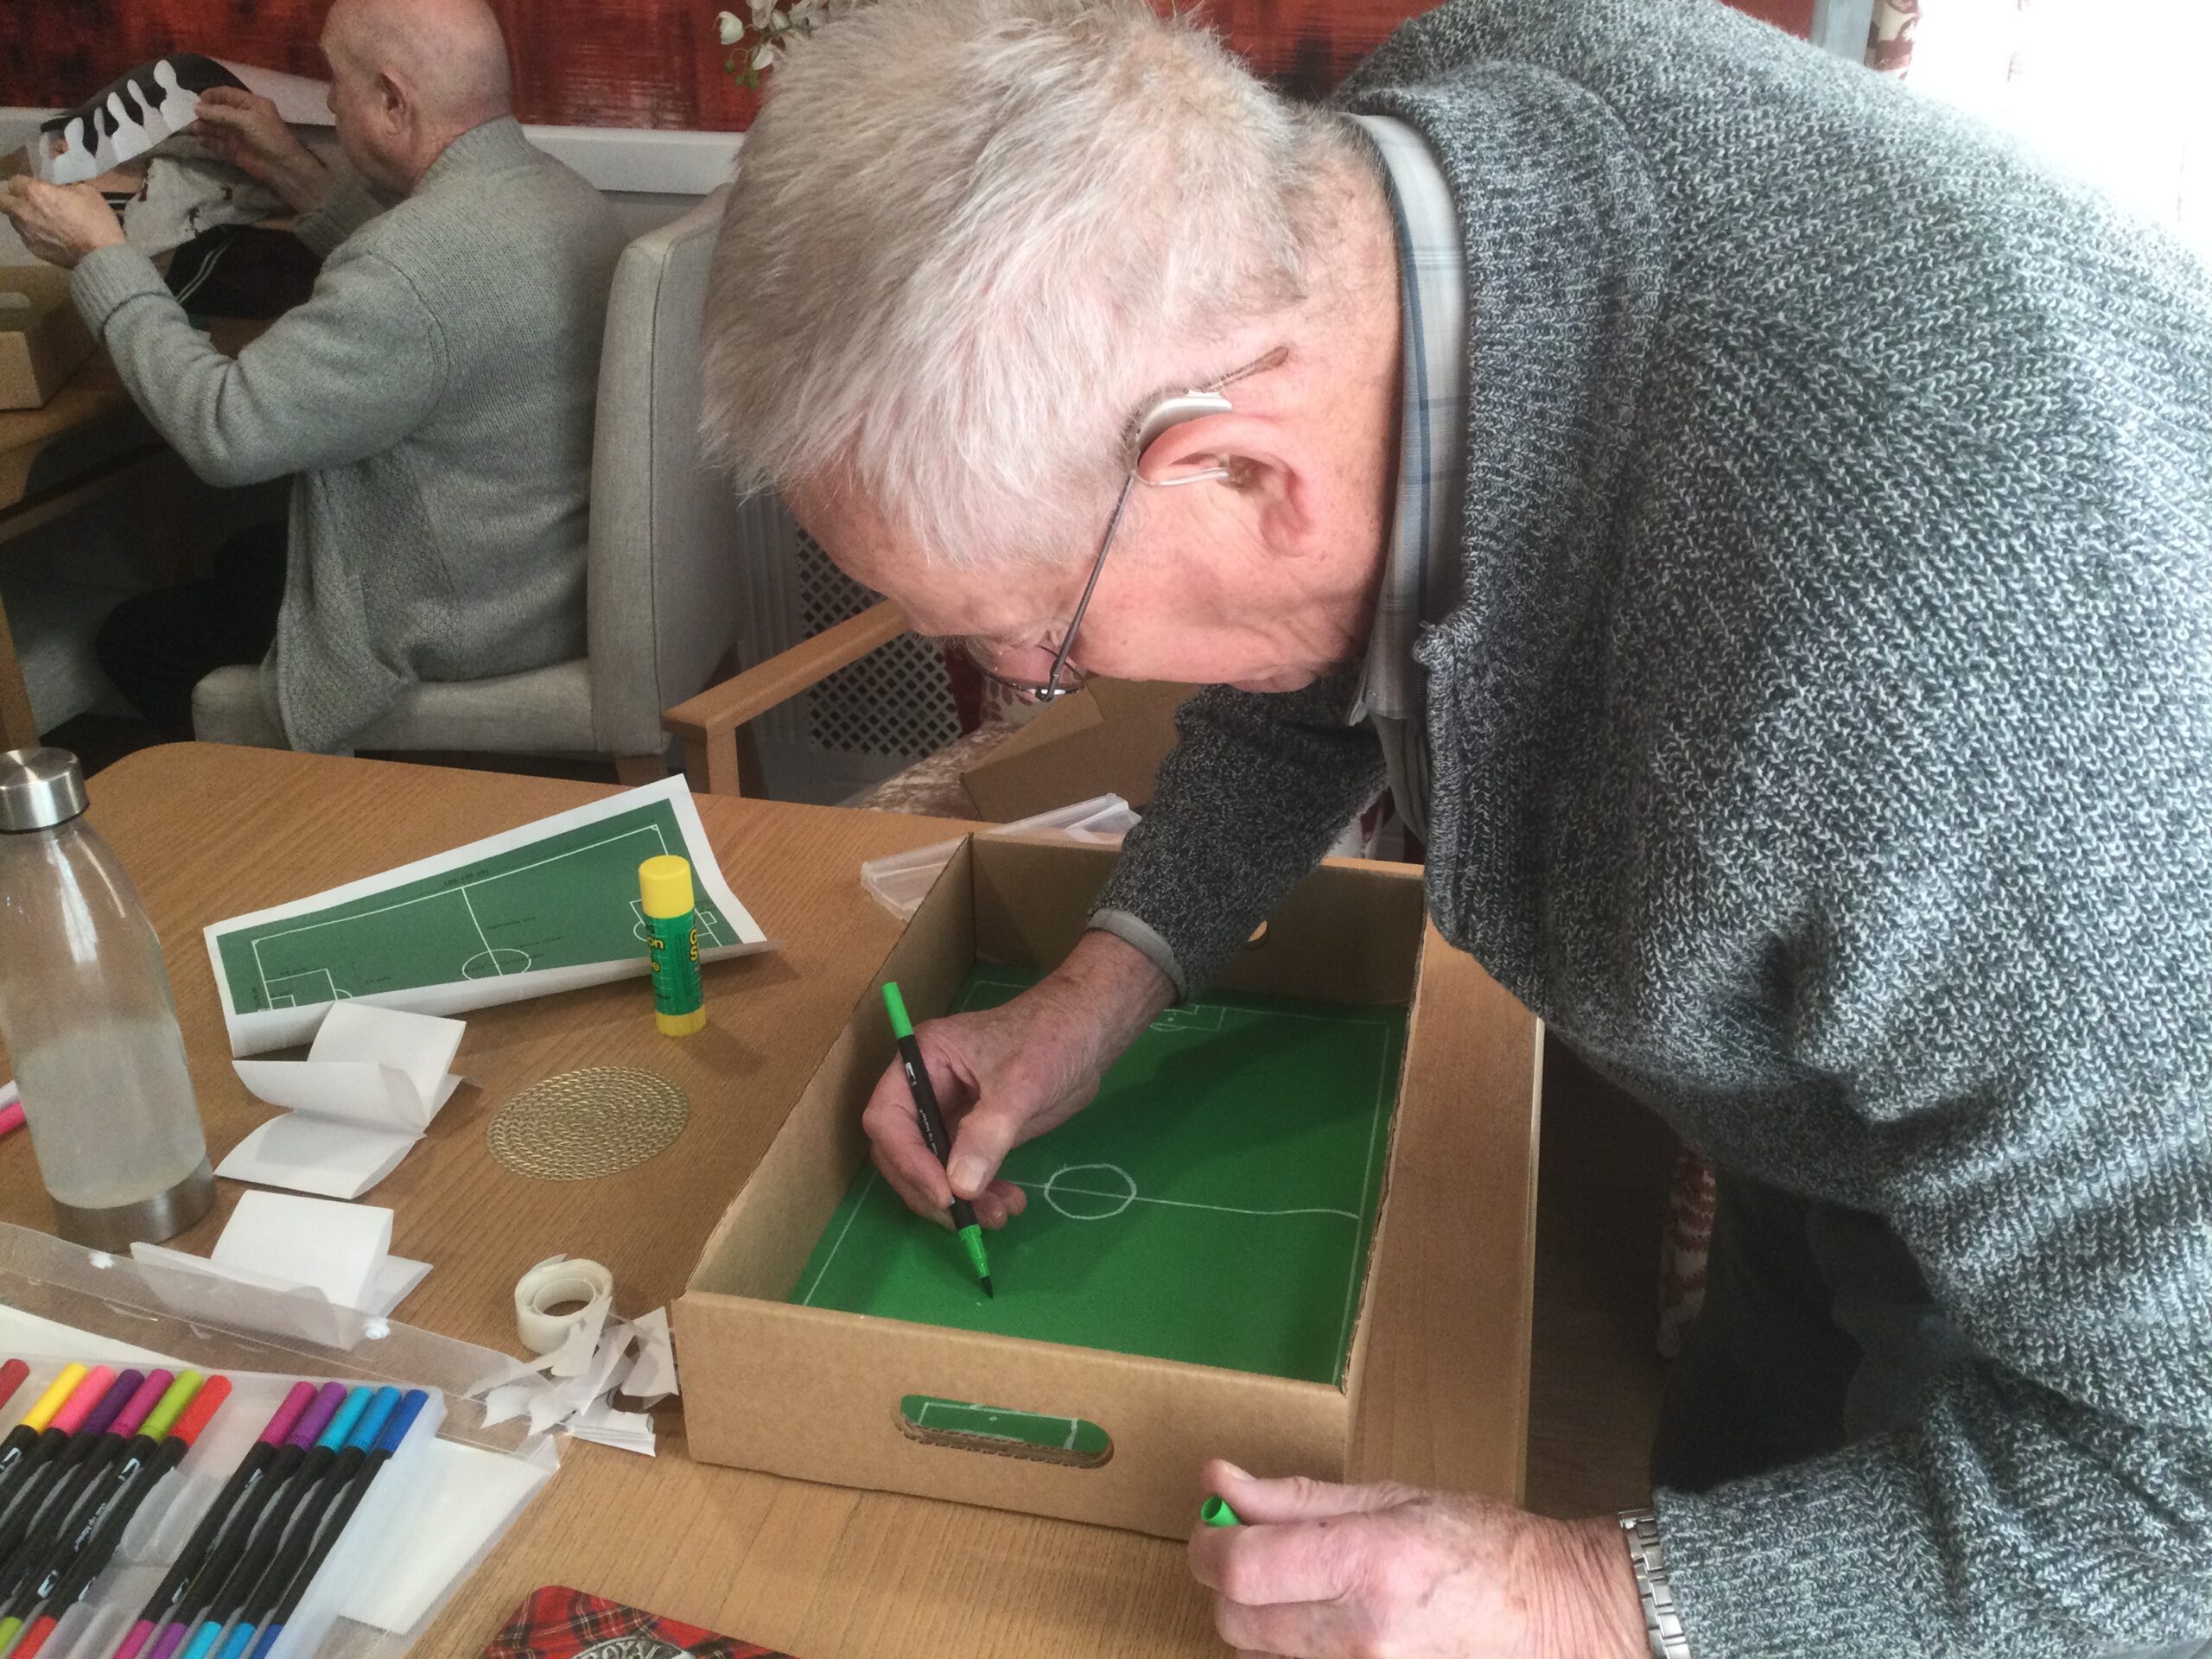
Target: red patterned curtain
<point x="1889" y="42"/>
<point x="620" y="63"/>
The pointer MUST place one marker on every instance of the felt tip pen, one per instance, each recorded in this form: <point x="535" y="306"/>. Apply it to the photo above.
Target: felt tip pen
<point x="54" y="1522"/>
<point x="341" y="1514"/>
<point x="68" y="1439"/>
<point x="918" y="1083"/>
<point x="1216" y="1512"/>
<point x="11" y="1378"/>
<point x="42" y="1412"/>
<point x="165" y="1433"/>
<point x="288" y="1553"/>
<point x="95" y="1544"/>
<point x="232" y="1600"/>
<point x="248" y="1475"/>
<point x="222" y="1565"/>
<point x="45" y="1531"/>
<point x="23" y="1440"/>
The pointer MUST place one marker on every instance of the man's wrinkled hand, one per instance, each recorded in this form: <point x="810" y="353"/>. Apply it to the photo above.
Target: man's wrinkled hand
<point x="244" y="129"/>
<point x="1324" y="1571"/>
<point x="60" y="223"/>
<point x="1006" y="1075"/>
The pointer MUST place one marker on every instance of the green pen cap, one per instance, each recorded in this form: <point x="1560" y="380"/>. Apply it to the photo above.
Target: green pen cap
<point x="1216" y="1512"/>
<point x="972" y="1237"/>
<point x="171" y="1405"/>
<point x="900" y="1025"/>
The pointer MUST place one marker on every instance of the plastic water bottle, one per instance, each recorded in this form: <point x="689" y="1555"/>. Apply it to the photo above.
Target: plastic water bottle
<point x="85" y="1012"/>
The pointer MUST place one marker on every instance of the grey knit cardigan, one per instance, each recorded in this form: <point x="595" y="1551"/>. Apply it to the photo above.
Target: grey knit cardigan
<point x="1822" y="747"/>
<point x="433" y="400"/>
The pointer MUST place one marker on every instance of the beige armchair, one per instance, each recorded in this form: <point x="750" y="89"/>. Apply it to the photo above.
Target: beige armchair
<point x="666" y="543"/>
<point x="714" y="727"/>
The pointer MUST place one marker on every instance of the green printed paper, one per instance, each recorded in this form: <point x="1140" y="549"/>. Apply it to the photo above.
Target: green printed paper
<point x="1214" y="1205"/>
<point x="565" y="901"/>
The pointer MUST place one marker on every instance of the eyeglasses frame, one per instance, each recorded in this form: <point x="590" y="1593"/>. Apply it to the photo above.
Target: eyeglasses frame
<point x="1161" y="416"/>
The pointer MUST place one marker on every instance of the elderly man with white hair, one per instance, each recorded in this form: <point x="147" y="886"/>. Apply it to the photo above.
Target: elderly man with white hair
<point x="1760" y="525"/>
<point x="432" y="399"/>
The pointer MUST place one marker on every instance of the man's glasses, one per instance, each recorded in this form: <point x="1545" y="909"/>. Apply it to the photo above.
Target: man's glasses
<point x="1158" y="416"/>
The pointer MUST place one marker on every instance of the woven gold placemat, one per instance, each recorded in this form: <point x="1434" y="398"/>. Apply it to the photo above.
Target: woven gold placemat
<point x="581" y="1125"/>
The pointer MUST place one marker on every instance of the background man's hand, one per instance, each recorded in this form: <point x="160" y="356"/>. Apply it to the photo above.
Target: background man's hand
<point x="238" y="127"/>
<point x="1322" y="1572"/>
<point x="60" y="223"/>
<point x="1008" y="1074"/>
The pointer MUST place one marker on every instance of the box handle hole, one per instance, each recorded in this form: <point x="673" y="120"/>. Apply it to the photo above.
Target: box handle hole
<point x="1073" y="1442"/>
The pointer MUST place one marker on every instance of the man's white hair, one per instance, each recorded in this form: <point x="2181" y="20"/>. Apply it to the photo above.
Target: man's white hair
<point x="969" y="237"/>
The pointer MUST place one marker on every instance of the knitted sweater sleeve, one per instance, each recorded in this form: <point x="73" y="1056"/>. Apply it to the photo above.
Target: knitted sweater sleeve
<point x="2053" y="1499"/>
<point x="347" y="374"/>
<point x="1251" y="796"/>
<point x="1965" y="828"/>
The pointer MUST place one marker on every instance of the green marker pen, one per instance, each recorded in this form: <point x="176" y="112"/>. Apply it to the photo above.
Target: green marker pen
<point x="672" y="944"/>
<point x="917" y="1080"/>
<point x="1216" y="1512"/>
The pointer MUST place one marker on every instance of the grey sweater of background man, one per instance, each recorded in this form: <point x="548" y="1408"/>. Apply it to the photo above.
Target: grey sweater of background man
<point x="1823" y="746"/>
<point x="434" y="399"/>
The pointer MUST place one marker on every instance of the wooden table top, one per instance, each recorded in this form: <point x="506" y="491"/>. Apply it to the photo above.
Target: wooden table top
<point x="92" y="394"/>
<point x="209" y="832"/>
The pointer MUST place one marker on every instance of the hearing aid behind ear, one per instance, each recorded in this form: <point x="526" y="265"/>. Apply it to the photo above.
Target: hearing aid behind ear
<point x="1170" y="412"/>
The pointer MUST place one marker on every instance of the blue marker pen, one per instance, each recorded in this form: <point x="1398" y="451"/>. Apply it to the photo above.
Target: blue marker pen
<point x="268" y="1532"/>
<point x="342" y="1513"/>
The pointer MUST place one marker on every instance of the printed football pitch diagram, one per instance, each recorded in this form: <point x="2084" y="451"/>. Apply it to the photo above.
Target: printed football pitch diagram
<point x="566" y="900"/>
<point x="1214" y="1205"/>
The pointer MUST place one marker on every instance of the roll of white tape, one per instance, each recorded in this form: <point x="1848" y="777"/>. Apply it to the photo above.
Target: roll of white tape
<point x="557" y="1282"/>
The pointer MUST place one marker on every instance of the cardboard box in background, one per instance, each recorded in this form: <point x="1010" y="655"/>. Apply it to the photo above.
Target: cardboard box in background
<point x="1108" y="739"/>
<point x="43" y="341"/>
<point x="815" y="1394"/>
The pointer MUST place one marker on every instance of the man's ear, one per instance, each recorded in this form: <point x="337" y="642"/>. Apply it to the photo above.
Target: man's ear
<point x="1238" y="452"/>
<point x="393" y="101"/>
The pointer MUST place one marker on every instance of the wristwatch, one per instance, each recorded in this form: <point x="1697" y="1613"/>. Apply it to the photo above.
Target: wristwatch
<point x="1647" y="1553"/>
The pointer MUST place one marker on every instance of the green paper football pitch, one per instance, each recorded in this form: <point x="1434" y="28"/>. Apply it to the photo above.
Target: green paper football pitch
<point x="1214" y="1205"/>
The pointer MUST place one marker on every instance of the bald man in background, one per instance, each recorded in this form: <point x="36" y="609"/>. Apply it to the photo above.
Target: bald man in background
<point x="432" y="400"/>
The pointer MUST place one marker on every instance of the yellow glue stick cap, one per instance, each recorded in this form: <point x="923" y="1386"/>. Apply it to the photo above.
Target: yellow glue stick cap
<point x="664" y="884"/>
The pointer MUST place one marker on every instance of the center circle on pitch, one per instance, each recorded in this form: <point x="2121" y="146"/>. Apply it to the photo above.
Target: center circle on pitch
<point x="500" y="959"/>
<point x="1091" y="1192"/>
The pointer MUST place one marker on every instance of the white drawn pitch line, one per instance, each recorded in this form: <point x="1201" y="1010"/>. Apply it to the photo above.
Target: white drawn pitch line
<point x="1179" y="1204"/>
<point x="858" y="1203"/>
<point x="446" y="893"/>
<point x="261" y="972"/>
<point x="468" y="905"/>
<point x="1366" y="1186"/>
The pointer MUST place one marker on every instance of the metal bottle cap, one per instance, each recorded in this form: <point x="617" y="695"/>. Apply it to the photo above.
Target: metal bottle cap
<point x="39" y="788"/>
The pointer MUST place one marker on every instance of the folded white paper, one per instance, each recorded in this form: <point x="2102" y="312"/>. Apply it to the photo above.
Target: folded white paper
<point x="370" y="1086"/>
<point x="308" y="1254"/>
<point x="626" y="1431"/>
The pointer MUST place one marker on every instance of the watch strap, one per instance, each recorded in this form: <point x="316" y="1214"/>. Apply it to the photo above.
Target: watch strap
<point x="1647" y="1553"/>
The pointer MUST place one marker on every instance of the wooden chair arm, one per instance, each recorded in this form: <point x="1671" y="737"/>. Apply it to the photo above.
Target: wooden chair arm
<point x="710" y="723"/>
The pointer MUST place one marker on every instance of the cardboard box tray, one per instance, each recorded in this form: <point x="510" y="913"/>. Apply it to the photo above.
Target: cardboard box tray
<point x="43" y="341"/>
<point x="889" y="1404"/>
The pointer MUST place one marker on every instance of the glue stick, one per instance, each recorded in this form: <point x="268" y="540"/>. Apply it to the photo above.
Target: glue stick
<point x="672" y="944"/>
